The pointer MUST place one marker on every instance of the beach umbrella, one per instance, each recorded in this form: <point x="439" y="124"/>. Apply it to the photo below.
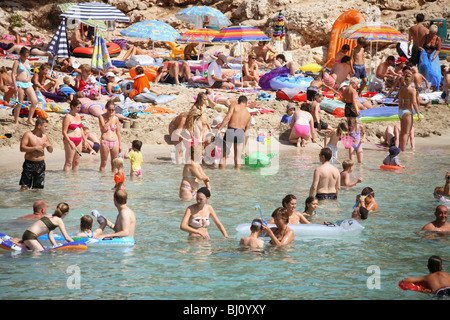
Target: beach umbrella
<point x="203" y="15"/>
<point x="92" y="10"/>
<point x="59" y="45"/>
<point x="153" y="30"/>
<point x="373" y="32"/>
<point x="100" y="57"/>
<point x="198" y="36"/>
<point x="279" y="30"/>
<point x="240" y="34"/>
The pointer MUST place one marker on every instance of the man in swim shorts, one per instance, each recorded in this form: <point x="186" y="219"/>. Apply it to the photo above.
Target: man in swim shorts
<point x="326" y="182"/>
<point x="238" y="120"/>
<point x="349" y="97"/>
<point x="358" y="63"/>
<point x="437" y="280"/>
<point x="33" y="143"/>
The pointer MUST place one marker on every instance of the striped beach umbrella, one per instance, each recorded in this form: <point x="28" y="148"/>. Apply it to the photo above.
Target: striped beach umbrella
<point x="198" y="35"/>
<point x="241" y="34"/>
<point x="151" y="29"/>
<point x="373" y="32"/>
<point x="92" y="10"/>
<point x="100" y="58"/>
<point x="59" y="45"/>
<point x="202" y="16"/>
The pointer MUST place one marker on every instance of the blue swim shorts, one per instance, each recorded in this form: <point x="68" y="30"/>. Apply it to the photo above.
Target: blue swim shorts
<point x="360" y="71"/>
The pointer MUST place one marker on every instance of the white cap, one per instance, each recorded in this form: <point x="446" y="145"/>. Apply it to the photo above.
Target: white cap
<point x="110" y="74"/>
<point x="216" y="121"/>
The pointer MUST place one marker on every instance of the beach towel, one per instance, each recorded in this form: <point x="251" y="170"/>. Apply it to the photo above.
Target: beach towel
<point x="381" y="114"/>
<point x="431" y="70"/>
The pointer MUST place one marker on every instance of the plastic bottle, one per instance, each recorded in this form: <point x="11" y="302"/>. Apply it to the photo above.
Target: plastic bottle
<point x="97" y="215"/>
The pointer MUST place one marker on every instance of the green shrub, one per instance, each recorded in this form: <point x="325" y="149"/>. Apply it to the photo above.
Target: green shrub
<point x="15" y="21"/>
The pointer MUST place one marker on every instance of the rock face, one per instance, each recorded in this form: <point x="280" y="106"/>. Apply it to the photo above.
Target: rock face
<point x="308" y="23"/>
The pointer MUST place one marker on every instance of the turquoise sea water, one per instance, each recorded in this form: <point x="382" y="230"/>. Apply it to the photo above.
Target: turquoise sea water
<point x="164" y="264"/>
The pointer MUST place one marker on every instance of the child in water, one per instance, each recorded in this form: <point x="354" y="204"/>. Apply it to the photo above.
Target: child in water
<point x="334" y="135"/>
<point x="356" y="131"/>
<point x="367" y="200"/>
<point x="253" y="240"/>
<point x="135" y="156"/>
<point x="347" y="167"/>
<point x="86" y="227"/>
<point x="392" y="158"/>
<point x="119" y="175"/>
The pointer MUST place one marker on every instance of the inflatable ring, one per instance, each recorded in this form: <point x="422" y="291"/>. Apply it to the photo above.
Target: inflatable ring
<point x="419" y="287"/>
<point x="150" y="72"/>
<point x="10" y="244"/>
<point x="383" y="166"/>
<point x="86" y="52"/>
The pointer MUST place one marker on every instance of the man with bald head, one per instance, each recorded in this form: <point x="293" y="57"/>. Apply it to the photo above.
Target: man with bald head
<point x="440" y="223"/>
<point x="39" y="210"/>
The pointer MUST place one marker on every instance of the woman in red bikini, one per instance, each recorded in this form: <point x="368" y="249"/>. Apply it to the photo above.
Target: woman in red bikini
<point x="110" y="143"/>
<point x="73" y="136"/>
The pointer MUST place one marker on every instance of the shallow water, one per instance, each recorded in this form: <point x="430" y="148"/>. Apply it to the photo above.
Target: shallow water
<point x="164" y="264"/>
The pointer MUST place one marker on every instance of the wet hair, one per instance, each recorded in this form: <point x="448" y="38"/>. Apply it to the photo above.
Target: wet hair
<point x="120" y="196"/>
<point x="345" y="59"/>
<point x="363" y="212"/>
<point x="280" y="213"/>
<point x="308" y="201"/>
<point x="287" y="199"/>
<point x="205" y="191"/>
<point x="367" y="191"/>
<point x="256" y="225"/>
<point x="439" y="190"/>
<point x="136" y="144"/>
<point x="61" y="209"/>
<point x="86" y="223"/>
<point x="434" y="264"/>
<point x="242" y="99"/>
<point x="327" y="153"/>
<point x="347" y="164"/>
<point x="420" y="17"/>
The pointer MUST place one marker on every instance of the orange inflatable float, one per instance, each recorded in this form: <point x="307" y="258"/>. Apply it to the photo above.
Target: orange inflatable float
<point x="86" y="52"/>
<point x="345" y="20"/>
<point x="150" y="72"/>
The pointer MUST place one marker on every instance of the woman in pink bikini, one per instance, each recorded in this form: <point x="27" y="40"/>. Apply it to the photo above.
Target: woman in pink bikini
<point x="110" y="143"/>
<point x="73" y="136"/>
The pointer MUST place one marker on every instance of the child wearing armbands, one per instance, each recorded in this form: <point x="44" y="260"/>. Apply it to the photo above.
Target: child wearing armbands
<point x="135" y="156"/>
<point x="119" y="175"/>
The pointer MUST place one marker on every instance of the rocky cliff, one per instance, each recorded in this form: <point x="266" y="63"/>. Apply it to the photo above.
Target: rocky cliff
<point x="308" y="22"/>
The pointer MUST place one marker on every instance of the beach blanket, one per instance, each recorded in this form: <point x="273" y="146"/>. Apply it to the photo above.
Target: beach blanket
<point x="381" y="114"/>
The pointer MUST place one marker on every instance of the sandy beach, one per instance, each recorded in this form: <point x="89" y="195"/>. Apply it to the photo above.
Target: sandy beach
<point x="152" y="129"/>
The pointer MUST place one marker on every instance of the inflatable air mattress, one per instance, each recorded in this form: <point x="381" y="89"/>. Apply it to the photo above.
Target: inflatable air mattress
<point x="347" y="227"/>
<point x="284" y="81"/>
<point x="11" y="244"/>
<point x="334" y="107"/>
<point x="419" y="287"/>
<point x="107" y="241"/>
<point x="381" y="114"/>
<point x="86" y="52"/>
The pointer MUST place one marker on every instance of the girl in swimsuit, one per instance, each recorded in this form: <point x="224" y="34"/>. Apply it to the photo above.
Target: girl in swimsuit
<point x="356" y="131"/>
<point x="73" y="136"/>
<point x="290" y="203"/>
<point x="192" y="173"/>
<point x="86" y="223"/>
<point x="281" y="234"/>
<point x="45" y="225"/>
<point x="196" y="218"/>
<point x="311" y="204"/>
<point x="110" y="135"/>
<point x="407" y="101"/>
<point x="21" y="80"/>
<point x="302" y="125"/>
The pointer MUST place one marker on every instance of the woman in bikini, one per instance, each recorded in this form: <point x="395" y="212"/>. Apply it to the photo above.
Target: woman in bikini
<point x="110" y="143"/>
<point x="407" y="101"/>
<point x="45" y="225"/>
<point x="73" y="136"/>
<point x="82" y="78"/>
<point x="196" y="218"/>
<point x="192" y="174"/>
<point x="21" y="75"/>
<point x="281" y="234"/>
<point x="92" y="107"/>
<point x="295" y="217"/>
